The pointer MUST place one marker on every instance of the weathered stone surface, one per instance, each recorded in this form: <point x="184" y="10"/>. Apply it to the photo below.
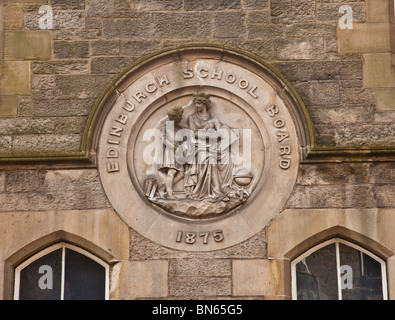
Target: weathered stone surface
<point x="330" y="11"/>
<point x="71" y="49"/>
<point x="127" y="28"/>
<point x="292" y="11"/>
<point x="259" y="16"/>
<point x="200" y="267"/>
<point x="152" y="5"/>
<point x="27" y="126"/>
<point x="62" y="108"/>
<point x="211" y="5"/>
<point x="46" y="144"/>
<point x="105" y="47"/>
<point x="110" y="65"/>
<point x="255" y="4"/>
<point x="66" y="67"/>
<point x="76" y="34"/>
<point x="321" y="70"/>
<point x="80" y="86"/>
<point x="100" y="8"/>
<point x="200" y="286"/>
<point x="318" y="197"/>
<point x="357" y="96"/>
<point x="67" y="4"/>
<point x="123" y="5"/>
<point x="61" y="20"/>
<point x="334" y="174"/>
<point x="310" y="30"/>
<point x="138" y="47"/>
<point x="12" y="16"/>
<point x="265" y="31"/>
<point x="320" y="92"/>
<point x="184" y="25"/>
<point x="43" y="82"/>
<point x="337" y="115"/>
<point x="298" y="49"/>
<point x="365" y="134"/>
<point x="229" y="25"/>
<point x="26" y="1"/>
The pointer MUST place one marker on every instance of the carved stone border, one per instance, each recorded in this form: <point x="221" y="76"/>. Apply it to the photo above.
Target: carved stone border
<point x="160" y="80"/>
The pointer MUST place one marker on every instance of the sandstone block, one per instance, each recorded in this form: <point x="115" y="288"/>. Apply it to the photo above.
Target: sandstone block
<point x="320" y="92"/>
<point x="292" y="11"/>
<point x="46" y="144"/>
<point x="15" y="78"/>
<point x="364" y="37"/>
<point x="65" y="19"/>
<point x="109" y="65"/>
<point x="253" y="278"/>
<point x="298" y="49"/>
<point x="28" y="45"/>
<point x="80" y="86"/>
<point x="265" y="31"/>
<point x="211" y="5"/>
<point x="184" y="25"/>
<point x="68" y="4"/>
<point x="12" y="16"/>
<point x="200" y="286"/>
<point x="100" y="8"/>
<point x="229" y="25"/>
<point x="378" y="71"/>
<point x="138" y="47"/>
<point x="105" y="47"/>
<point x="71" y="49"/>
<point x="311" y="30"/>
<point x="255" y="4"/>
<point x="377" y="11"/>
<point x="200" y="267"/>
<point x="385" y="99"/>
<point x="329" y="12"/>
<point x="8" y="106"/>
<point x="321" y="70"/>
<point x="126" y="28"/>
<point x="143" y="279"/>
<point x="68" y="67"/>
<point x="152" y="5"/>
<point x="259" y="16"/>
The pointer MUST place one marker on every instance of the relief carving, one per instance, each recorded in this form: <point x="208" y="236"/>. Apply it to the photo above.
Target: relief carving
<point x="201" y="155"/>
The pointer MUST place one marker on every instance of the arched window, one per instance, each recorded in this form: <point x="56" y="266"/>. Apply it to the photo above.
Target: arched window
<point x="338" y="270"/>
<point x="62" y="272"/>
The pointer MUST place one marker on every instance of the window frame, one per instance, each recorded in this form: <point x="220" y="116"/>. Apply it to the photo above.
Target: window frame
<point x="337" y="241"/>
<point x="63" y="246"/>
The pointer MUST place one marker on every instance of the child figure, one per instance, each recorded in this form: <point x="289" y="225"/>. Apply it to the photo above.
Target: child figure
<point x="170" y="164"/>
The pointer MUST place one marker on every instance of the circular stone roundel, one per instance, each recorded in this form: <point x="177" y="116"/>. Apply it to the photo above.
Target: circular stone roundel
<point x="199" y="148"/>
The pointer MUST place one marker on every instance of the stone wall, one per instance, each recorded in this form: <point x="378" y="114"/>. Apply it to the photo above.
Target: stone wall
<point x="53" y="75"/>
<point x="52" y="80"/>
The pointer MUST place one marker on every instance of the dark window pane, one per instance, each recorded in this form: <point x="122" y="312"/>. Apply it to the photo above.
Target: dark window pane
<point x="316" y="275"/>
<point x="37" y="286"/>
<point x="84" y="278"/>
<point x="366" y="283"/>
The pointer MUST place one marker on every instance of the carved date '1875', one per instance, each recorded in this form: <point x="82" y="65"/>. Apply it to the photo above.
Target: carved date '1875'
<point x="191" y="237"/>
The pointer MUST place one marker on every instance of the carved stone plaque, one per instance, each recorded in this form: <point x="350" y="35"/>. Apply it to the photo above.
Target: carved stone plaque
<point x="198" y="149"/>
